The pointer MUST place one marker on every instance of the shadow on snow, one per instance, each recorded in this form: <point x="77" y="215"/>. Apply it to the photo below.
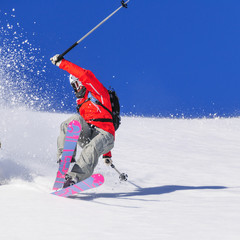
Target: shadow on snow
<point x="148" y="191"/>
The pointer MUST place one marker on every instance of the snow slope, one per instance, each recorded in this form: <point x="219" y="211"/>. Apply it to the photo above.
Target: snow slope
<point x="184" y="181"/>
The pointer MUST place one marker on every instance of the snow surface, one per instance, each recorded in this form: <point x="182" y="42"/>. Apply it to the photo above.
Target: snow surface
<point x="184" y="181"/>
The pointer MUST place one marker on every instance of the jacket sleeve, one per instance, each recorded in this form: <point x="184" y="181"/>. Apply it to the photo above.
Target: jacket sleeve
<point x="87" y="78"/>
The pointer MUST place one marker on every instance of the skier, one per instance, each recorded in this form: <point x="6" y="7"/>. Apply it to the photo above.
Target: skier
<point x="98" y="134"/>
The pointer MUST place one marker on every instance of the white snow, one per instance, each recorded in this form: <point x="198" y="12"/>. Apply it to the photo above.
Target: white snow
<point x="184" y="181"/>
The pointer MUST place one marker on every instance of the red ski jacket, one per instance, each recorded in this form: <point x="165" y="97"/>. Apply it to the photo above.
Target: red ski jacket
<point x="90" y="110"/>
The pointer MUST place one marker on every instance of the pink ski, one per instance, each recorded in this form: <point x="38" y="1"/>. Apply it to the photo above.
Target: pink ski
<point x="94" y="181"/>
<point x="72" y="135"/>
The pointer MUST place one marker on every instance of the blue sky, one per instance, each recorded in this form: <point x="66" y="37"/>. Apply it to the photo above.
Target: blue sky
<point x="162" y="57"/>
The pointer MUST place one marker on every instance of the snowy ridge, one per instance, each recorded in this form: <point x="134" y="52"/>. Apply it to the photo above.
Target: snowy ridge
<point x="183" y="181"/>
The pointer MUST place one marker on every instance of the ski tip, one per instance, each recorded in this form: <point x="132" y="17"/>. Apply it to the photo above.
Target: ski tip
<point x="74" y="127"/>
<point x="98" y="178"/>
<point x="75" y="123"/>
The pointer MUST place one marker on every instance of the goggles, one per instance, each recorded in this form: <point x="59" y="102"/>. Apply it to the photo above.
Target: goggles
<point x="77" y="86"/>
<point x="75" y="83"/>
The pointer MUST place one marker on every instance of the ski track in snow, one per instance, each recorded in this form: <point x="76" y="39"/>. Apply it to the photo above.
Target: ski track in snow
<point x="183" y="181"/>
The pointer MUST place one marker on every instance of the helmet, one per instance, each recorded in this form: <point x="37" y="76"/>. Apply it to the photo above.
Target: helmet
<point x="76" y="84"/>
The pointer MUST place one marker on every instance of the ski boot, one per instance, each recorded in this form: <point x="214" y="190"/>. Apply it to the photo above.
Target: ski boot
<point x="69" y="181"/>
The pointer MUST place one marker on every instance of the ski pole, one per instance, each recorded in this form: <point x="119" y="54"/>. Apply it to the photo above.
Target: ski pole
<point x="122" y="176"/>
<point x="123" y="5"/>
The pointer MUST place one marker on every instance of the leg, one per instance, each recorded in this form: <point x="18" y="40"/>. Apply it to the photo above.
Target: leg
<point x="102" y="143"/>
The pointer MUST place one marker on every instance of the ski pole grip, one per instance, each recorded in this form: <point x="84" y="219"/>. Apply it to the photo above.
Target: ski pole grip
<point x="68" y="50"/>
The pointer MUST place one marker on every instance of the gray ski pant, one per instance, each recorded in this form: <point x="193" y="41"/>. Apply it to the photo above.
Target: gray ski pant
<point x="93" y="141"/>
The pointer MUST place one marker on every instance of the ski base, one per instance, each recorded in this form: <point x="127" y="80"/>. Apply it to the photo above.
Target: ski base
<point x="94" y="181"/>
<point x="72" y="135"/>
